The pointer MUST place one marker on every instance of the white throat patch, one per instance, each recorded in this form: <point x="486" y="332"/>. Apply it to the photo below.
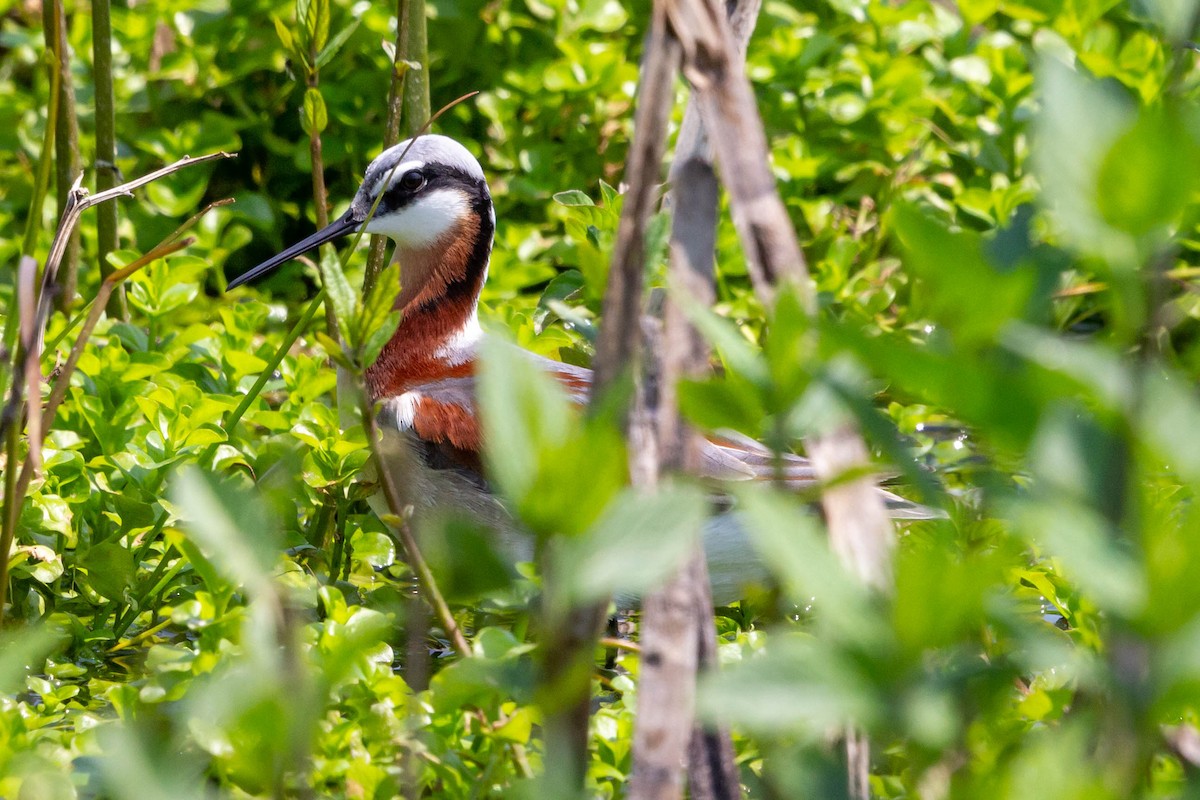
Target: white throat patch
<point x="426" y="221"/>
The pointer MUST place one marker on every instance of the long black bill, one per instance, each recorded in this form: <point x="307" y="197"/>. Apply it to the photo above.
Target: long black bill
<point x="340" y="227"/>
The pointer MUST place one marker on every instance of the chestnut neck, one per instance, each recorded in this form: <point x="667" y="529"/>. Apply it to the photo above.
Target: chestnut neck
<point x="438" y="302"/>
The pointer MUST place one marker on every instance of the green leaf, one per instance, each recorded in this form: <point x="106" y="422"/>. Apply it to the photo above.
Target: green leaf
<point x="573" y="198"/>
<point x="538" y="445"/>
<point x="940" y="596"/>
<point x="320" y="31"/>
<point x="313" y="16"/>
<point x="717" y="403"/>
<point x="24" y="650"/>
<point x="1079" y="122"/>
<point x="230" y="526"/>
<point x="739" y="355"/>
<point x="335" y="44"/>
<point x="553" y="502"/>
<point x="517" y="728"/>
<point x="463" y="558"/>
<point x="974" y="299"/>
<point x="110" y="569"/>
<point x="638" y="542"/>
<point x="801" y="685"/>
<point x="379" y="319"/>
<point x="605" y="16"/>
<point x="335" y="350"/>
<point x="313" y="116"/>
<point x="285" y="35"/>
<point x="341" y="297"/>
<point x="788" y="349"/>
<point x="795" y="550"/>
<point x="524" y="413"/>
<point x="1092" y="554"/>
<point x="1149" y="174"/>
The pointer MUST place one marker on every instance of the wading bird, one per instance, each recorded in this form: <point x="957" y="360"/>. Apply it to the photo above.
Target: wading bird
<point x="431" y="198"/>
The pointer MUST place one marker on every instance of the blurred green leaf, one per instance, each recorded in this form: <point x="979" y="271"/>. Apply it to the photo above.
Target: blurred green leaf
<point x="524" y="415"/>
<point x="230" y="526"/>
<point x="1149" y="173"/>
<point x="975" y="299"/>
<point x="802" y="686"/>
<point x="638" y="542"/>
<point x="464" y="559"/>
<point x="22" y="651"/>
<point x="1079" y="123"/>
<point x="794" y="549"/>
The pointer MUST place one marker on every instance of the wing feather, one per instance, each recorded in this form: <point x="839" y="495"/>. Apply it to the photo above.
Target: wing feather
<point x="442" y="412"/>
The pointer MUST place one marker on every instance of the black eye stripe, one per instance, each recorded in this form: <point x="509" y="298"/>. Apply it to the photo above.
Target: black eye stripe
<point x="435" y="176"/>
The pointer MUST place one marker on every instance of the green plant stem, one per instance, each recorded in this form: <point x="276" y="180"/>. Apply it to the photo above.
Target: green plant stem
<point x="71" y="325"/>
<point x="40" y="187"/>
<point x="392" y="132"/>
<point x="332" y="532"/>
<point x="106" y="146"/>
<point x="10" y="418"/>
<point x="320" y="193"/>
<point x="122" y="623"/>
<point x="416" y="82"/>
<point x="11" y="510"/>
<point x="66" y="142"/>
<point x="317" y="527"/>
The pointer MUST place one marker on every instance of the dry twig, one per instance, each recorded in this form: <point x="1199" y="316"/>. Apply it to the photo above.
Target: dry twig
<point x="858" y="525"/>
<point x="677" y="636"/>
<point x="726" y="101"/>
<point x="567" y="649"/>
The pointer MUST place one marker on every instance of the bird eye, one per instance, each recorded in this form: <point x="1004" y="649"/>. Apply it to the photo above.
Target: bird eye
<point x="412" y="180"/>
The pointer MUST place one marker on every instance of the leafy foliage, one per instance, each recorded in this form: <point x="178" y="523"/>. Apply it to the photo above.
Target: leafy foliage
<point x="997" y="204"/>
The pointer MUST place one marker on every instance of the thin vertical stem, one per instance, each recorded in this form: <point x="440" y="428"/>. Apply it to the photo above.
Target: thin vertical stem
<point x="416" y="82"/>
<point x="391" y="134"/>
<point x="678" y="638"/>
<point x="568" y="646"/>
<point x="106" y="146"/>
<point x="66" y="142"/>
<point x="320" y="194"/>
<point x="12" y="508"/>
<point x="735" y="128"/>
<point x="859" y="529"/>
<point x="14" y="412"/>
<point x="41" y="186"/>
<point x="623" y="296"/>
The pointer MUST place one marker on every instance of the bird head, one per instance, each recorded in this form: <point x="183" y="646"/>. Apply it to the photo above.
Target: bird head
<point x="424" y="194"/>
